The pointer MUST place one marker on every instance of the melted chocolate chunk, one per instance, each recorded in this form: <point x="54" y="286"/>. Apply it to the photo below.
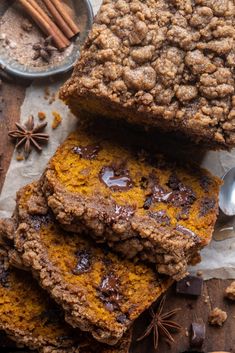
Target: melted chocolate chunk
<point x="174" y="182"/>
<point x="122" y="318"/>
<point x="159" y="194"/>
<point x="109" y="284"/>
<point x="148" y="202"/>
<point x="109" y="292"/>
<point x="116" y="180"/>
<point x="190" y="285"/>
<point x="205" y="182"/>
<point x="84" y="262"/>
<point x="207" y="205"/>
<point x="198" y="334"/>
<point x="187" y="232"/>
<point x="181" y="198"/>
<point x="123" y="212"/>
<point x="160" y="217"/>
<point x="87" y="152"/>
<point x="38" y="221"/>
<point x="182" y="195"/>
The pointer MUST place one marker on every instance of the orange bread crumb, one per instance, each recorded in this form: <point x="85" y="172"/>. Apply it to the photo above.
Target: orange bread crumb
<point x="41" y="116"/>
<point x="57" y="120"/>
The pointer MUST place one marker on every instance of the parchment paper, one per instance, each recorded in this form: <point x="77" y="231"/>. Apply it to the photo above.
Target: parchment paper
<point x="218" y="259"/>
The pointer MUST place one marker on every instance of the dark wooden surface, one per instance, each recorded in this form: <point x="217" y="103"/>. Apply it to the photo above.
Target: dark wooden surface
<point x="217" y="339"/>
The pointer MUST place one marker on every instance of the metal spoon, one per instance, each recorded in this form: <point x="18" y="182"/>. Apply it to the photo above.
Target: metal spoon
<point x="227" y="193"/>
<point x="225" y="225"/>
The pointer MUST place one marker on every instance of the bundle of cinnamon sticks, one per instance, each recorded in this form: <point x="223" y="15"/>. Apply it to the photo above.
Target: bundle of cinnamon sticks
<point x="58" y="24"/>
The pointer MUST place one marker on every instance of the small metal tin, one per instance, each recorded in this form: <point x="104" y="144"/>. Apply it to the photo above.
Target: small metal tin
<point x="85" y="16"/>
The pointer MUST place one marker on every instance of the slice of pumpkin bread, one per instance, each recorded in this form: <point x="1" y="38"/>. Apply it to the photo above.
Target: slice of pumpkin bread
<point x="144" y="205"/>
<point x="98" y="291"/>
<point x="31" y="318"/>
<point x="28" y="316"/>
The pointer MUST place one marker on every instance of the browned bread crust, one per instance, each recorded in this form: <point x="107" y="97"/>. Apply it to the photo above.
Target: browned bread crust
<point x="164" y="63"/>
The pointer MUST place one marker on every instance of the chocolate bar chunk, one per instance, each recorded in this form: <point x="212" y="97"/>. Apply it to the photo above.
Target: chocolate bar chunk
<point x="190" y="285"/>
<point x="198" y="334"/>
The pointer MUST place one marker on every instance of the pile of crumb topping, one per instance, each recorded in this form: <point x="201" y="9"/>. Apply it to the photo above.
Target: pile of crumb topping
<point x="174" y="59"/>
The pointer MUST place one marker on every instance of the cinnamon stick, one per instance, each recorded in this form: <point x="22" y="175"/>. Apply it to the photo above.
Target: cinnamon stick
<point x="67" y="18"/>
<point x="51" y="23"/>
<point x="58" y="19"/>
<point x="45" y="23"/>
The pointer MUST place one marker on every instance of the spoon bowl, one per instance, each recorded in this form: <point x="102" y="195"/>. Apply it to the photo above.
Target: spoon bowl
<point x="227" y="193"/>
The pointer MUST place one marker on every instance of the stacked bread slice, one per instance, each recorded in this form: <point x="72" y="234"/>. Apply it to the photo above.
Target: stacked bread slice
<point x="98" y="239"/>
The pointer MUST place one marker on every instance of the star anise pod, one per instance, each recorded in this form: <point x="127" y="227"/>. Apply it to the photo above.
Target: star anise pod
<point x="161" y="325"/>
<point x="29" y="135"/>
<point x="44" y="49"/>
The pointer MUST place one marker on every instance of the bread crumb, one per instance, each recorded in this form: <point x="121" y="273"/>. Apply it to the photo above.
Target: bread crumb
<point x="56" y="121"/>
<point x="217" y="317"/>
<point x="230" y="291"/>
<point x="46" y="93"/>
<point x="41" y="116"/>
<point x="52" y="98"/>
<point x="20" y="157"/>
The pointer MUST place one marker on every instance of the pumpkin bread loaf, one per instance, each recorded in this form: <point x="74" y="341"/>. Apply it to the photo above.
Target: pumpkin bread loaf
<point x="98" y="291"/>
<point x="144" y="205"/>
<point x="167" y="64"/>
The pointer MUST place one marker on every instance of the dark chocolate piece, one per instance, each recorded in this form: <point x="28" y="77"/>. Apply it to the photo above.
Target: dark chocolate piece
<point x="159" y="194"/>
<point x="121" y="318"/>
<point x="173" y="182"/>
<point x="148" y="202"/>
<point x="109" y="292"/>
<point x="84" y="262"/>
<point x="117" y="180"/>
<point x="161" y="217"/>
<point x="190" y="285"/>
<point x="38" y="221"/>
<point x="123" y="212"/>
<point x="182" y="195"/>
<point x="207" y="205"/>
<point x="205" y="182"/>
<point x="109" y="284"/>
<point x="87" y="152"/>
<point x="198" y="334"/>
